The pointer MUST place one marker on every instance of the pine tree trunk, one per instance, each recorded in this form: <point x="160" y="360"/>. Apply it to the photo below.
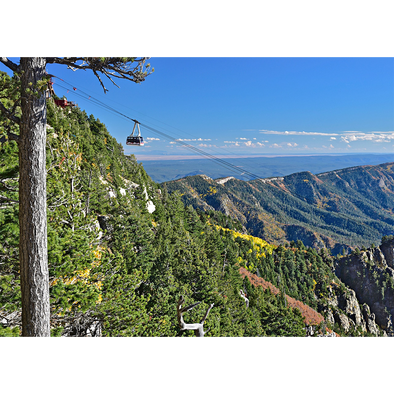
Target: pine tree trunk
<point x="33" y="252"/>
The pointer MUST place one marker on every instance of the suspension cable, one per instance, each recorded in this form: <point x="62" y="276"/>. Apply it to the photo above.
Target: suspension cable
<point x="219" y="161"/>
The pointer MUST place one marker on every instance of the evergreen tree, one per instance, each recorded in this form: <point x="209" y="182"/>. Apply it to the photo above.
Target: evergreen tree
<point x="115" y="269"/>
<point x="31" y="140"/>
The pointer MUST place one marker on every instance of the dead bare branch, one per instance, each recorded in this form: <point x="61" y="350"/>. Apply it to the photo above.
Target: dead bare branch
<point x="242" y="294"/>
<point x="198" y="328"/>
<point x="101" y="82"/>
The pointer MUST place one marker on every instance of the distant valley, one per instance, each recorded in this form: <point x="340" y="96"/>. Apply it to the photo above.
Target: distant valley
<point x="265" y="167"/>
<point x="339" y="209"/>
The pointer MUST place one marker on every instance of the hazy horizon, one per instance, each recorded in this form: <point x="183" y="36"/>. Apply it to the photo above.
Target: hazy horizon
<point x="263" y="166"/>
<point x="246" y="105"/>
<point x="195" y="157"/>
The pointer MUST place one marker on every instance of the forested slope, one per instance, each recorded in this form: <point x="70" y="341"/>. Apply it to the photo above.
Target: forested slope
<point x="337" y="210"/>
<point x="122" y="251"/>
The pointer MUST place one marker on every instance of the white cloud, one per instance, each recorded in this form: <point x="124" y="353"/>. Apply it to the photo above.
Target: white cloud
<point x="346" y="136"/>
<point x="153" y="139"/>
<point x="344" y="139"/>
<point x="385" y="136"/>
<point x="242" y="138"/>
<point x="249" y="144"/>
<point x="295" y="133"/>
<point x="284" y="145"/>
<point x="193" y="139"/>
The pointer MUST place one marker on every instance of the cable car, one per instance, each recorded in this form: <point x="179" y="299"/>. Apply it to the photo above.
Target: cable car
<point x="136" y="140"/>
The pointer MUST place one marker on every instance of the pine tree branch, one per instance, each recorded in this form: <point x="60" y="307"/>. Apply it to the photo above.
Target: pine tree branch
<point x="101" y="82"/>
<point x="10" y="136"/>
<point x="7" y="187"/>
<point x="9" y="114"/>
<point x="111" y="67"/>
<point x="11" y="65"/>
<point x="8" y="199"/>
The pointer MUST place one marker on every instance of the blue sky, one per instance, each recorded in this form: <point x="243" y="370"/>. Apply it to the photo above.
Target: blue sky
<point x="249" y="106"/>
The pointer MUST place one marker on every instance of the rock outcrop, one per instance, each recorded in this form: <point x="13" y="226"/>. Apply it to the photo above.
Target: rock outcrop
<point x="370" y="320"/>
<point x="349" y="304"/>
<point x="344" y="309"/>
<point x="371" y="276"/>
<point x="387" y="249"/>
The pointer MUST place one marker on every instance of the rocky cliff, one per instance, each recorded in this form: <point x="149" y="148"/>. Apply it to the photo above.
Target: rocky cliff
<point x="370" y="274"/>
<point x="349" y="314"/>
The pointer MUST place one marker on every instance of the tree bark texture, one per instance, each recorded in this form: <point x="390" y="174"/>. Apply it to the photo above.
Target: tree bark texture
<point x="33" y="252"/>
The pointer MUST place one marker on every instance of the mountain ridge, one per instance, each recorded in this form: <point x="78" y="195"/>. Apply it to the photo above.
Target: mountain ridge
<point x="339" y="209"/>
<point x="123" y="252"/>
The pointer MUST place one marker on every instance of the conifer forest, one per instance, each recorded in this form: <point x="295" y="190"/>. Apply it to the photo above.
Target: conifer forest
<point x="128" y="257"/>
